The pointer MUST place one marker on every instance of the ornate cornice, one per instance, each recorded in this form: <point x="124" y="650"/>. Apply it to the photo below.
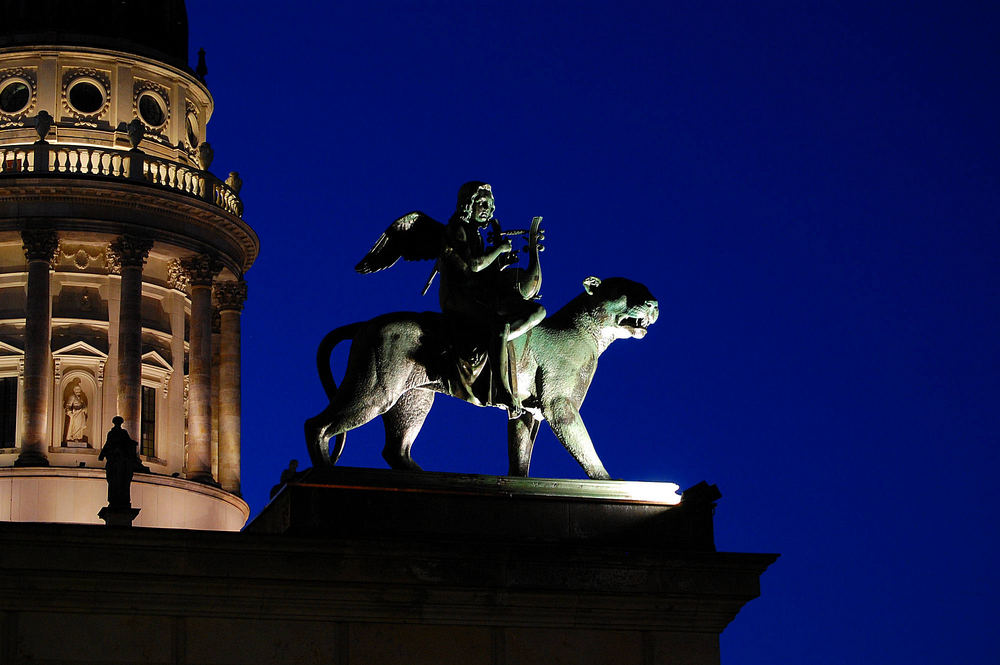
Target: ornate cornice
<point x="169" y="217"/>
<point x="230" y="294"/>
<point x="40" y="244"/>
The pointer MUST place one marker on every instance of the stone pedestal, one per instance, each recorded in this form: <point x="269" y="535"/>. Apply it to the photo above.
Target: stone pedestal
<point x="118" y="516"/>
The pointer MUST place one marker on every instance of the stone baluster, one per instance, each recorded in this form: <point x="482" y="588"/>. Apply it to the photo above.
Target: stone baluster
<point x="130" y="253"/>
<point x="229" y="298"/>
<point x="39" y="248"/>
<point x="201" y="270"/>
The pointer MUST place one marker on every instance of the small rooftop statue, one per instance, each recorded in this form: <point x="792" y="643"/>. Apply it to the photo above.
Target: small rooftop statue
<point x="122" y="460"/>
<point x="490" y="346"/>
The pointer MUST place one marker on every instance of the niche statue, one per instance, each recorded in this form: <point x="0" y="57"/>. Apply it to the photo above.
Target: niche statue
<point x="492" y="345"/>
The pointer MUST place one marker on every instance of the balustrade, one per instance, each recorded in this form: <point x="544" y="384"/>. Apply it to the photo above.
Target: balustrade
<point x="91" y="161"/>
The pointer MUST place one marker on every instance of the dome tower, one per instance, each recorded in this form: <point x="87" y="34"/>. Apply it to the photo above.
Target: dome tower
<point x="121" y="267"/>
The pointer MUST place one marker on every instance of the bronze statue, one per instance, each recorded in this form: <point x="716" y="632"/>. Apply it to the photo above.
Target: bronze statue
<point x="121" y="452"/>
<point x="489" y="302"/>
<point x="396" y="365"/>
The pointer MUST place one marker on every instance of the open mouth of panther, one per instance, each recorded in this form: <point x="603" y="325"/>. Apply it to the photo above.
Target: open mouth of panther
<point x="638" y="319"/>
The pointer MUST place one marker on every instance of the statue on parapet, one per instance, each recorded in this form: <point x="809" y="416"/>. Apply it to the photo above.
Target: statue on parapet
<point x="489" y="302"/>
<point x="121" y="453"/>
<point x="491" y="346"/>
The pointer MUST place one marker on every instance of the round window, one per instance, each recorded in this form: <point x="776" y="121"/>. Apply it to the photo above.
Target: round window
<point x="151" y="109"/>
<point x="86" y="97"/>
<point x="15" y="96"/>
<point x="192" y="129"/>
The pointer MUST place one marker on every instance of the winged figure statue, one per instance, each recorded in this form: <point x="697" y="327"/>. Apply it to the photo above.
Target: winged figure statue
<point x="488" y="299"/>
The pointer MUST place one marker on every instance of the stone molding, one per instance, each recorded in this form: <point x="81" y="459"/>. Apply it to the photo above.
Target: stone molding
<point x="40" y="244"/>
<point x="230" y="295"/>
<point x="172" y="218"/>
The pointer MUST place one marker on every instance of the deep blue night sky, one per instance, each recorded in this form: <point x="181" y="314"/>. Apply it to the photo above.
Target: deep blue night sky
<point x="811" y="191"/>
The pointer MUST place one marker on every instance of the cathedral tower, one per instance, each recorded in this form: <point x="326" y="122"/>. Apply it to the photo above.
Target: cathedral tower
<point x="121" y="267"/>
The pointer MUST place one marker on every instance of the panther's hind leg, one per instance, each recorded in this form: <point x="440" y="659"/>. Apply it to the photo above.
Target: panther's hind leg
<point x="402" y="424"/>
<point x="349" y="409"/>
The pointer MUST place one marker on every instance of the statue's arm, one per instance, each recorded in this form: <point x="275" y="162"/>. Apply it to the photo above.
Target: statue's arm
<point x="479" y="263"/>
<point x="457" y="255"/>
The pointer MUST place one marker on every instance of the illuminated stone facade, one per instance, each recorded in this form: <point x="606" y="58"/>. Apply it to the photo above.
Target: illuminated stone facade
<point x="117" y="249"/>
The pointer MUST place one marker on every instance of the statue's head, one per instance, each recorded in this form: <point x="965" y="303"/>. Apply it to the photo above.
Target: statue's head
<point x="118" y="421"/>
<point x="77" y="390"/>
<point x="475" y="203"/>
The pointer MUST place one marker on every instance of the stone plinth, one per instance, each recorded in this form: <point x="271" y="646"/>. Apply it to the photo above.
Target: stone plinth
<point x="118" y="516"/>
<point x="376" y="502"/>
<point x="369" y="567"/>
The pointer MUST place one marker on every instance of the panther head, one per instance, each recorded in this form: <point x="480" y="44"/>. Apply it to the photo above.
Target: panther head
<point x="628" y="308"/>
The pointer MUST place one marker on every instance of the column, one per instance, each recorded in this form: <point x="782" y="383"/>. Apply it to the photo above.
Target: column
<point x="39" y="248"/>
<point x="216" y="341"/>
<point x="175" y="397"/>
<point x="198" y="461"/>
<point x="229" y="297"/>
<point x="131" y="253"/>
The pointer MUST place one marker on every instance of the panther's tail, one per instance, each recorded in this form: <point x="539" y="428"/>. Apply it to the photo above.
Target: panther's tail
<point x="316" y="440"/>
<point x="325" y="352"/>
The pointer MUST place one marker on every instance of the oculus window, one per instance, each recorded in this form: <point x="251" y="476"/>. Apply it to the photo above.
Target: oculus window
<point x="151" y="109"/>
<point x="86" y="96"/>
<point x="15" y="95"/>
<point x="192" y="129"/>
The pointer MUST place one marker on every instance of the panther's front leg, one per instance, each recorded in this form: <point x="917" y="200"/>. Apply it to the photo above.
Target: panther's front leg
<point x="566" y="423"/>
<point x="521" y="433"/>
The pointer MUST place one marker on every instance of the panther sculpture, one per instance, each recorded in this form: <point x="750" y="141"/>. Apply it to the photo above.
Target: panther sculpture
<point x="395" y="366"/>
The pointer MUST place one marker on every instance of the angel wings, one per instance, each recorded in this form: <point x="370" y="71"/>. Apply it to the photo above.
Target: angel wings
<point x="413" y="237"/>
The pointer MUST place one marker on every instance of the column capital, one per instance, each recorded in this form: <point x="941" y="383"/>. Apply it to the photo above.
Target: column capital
<point x="230" y="294"/>
<point x="128" y="251"/>
<point x="40" y="244"/>
<point x="177" y="277"/>
<point x="201" y="269"/>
